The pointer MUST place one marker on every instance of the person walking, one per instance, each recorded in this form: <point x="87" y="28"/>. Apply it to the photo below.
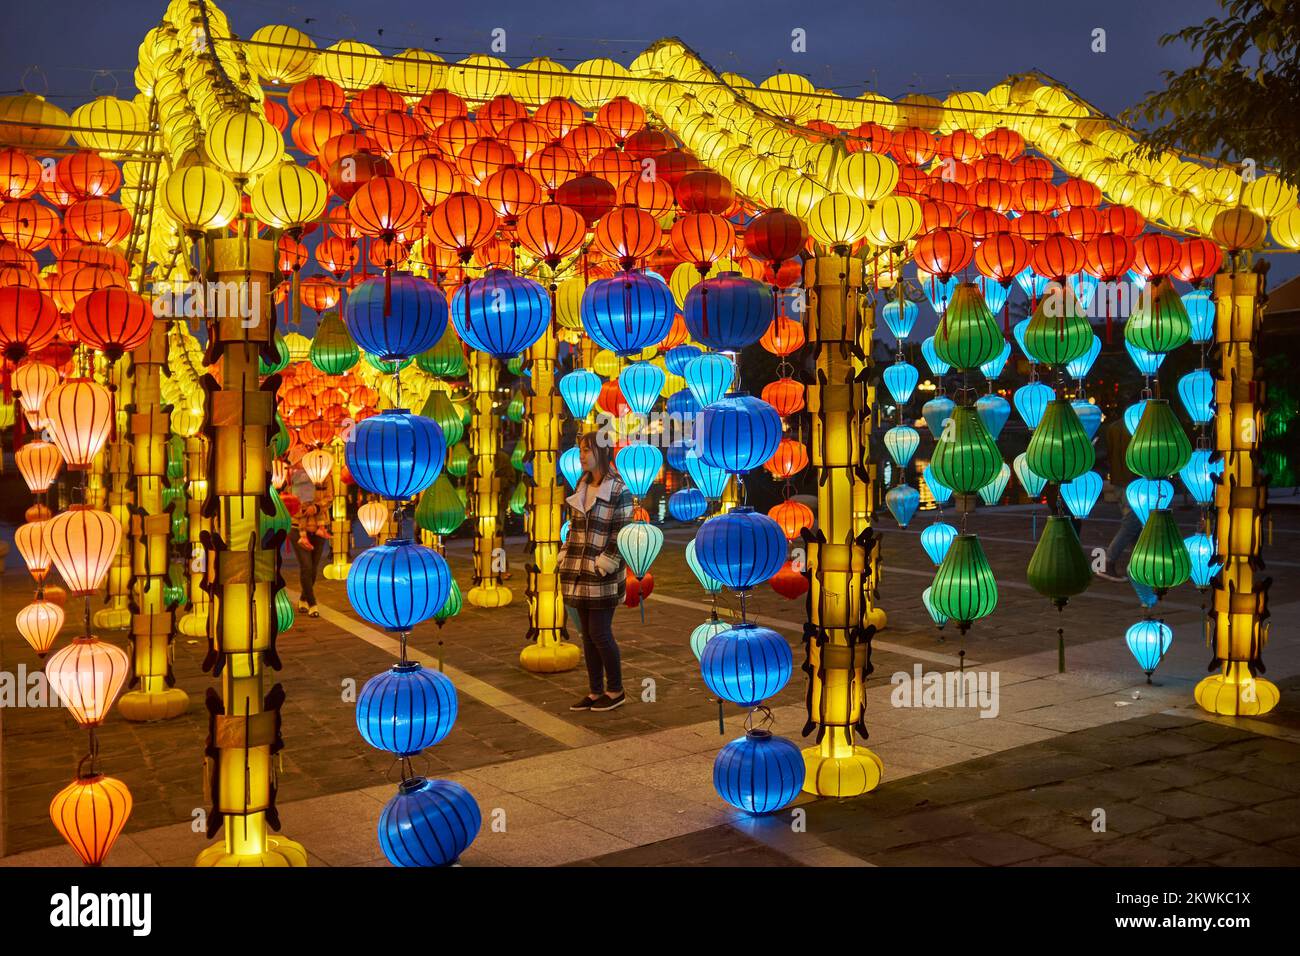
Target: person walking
<point x="310" y="536"/>
<point x="592" y="579"/>
<point x="1115" y="444"/>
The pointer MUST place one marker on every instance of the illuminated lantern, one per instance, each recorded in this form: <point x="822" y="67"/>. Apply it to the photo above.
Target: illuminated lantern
<point x="728" y="311"/>
<point x="100" y="222"/>
<point x="774" y="236"/>
<point x="1200" y="313"/>
<point x="708" y="582"/>
<point x="1159" y="446"/>
<point x="1031" y="402"/>
<point x="711" y="481"/>
<point x="708" y="377"/>
<point x="332" y="348"/>
<point x="993" y="410"/>
<point x="1148" y="642"/>
<point x="20" y="174"/>
<point x="1079" y="367"/>
<point x="746" y="664"/>
<point x="900" y="379"/>
<point x="571" y="466"/>
<point x="551" y="232"/>
<point x="113" y="321"/>
<point x="639" y="543"/>
<point x="28" y="321"/>
<point x="1197" y="475"/>
<point x="39" y="463"/>
<point x="900" y="321"/>
<point x="1030" y="480"/>
<point x="741" y="548"/>
<point x="1200" y="550"/>
<point x="461" y="223"/>
<point x="1196" y="390"/>
<point x="373" y="516"/>
<point x="87" y="675"/>
<point x="759" y="772"/>
<point x="399" y="584"/>
<point x="501" y="314"/>
<point x="29" y="538"/>
<point x="200" y="198"/>
<point x="784" y="336"/>
<point x="1160" y="559"/>
<point x="677" y="358"/>
<point x="1059" y="449"/>
<point x="943" y="252"/>
<point x="1148" y="363"/>
<point x="992" y="493"/>
<point x="395" y="454"/>
<point x="32" y="381"/>
<point x="936" y="412"/>
<point x="930" y="353"/>
<point x="627" y="313"/>
<point x="927" y="599"/>
<point x="964" y="589"/>
<point x="82" y="542"/>
<point x="288" y="196"/>
<point x="1237" y="228"/>
<point x="627" y="234"/>
<point x="936" y="539"/>
<point x="1081" y="493"/>
<point x="967" y="336"/>
<point x="902" y="502"/>
<point x="785" y="395"/>
<point x="938" y="490"/>
<point x="901" y="442"/>
<point x="90" y="813"/>
<point x="428" y="823"/>
<point x="994" y="366"/>
<point x="1146" y="494"/>
<point x="440" y="510"/>
<point x="966" y="457"/>
<point x="1158" y="325"/>
<point x="793" y="517"/>
<point x="1058" y="568"/>
<point x="1057" y="339"/>
<point x="738" y="433"/>
<point x="1057" y="257"/>
<point x="579" y="390"/>
<point x="705" y="633"/>
<point x="788" y="460"/>
<point x="406" y="709"/>
<point x="39" y="623"/>
<point x="687" y="504"/>
<point x="639" y="464"/>
<point x="398" y="320"/>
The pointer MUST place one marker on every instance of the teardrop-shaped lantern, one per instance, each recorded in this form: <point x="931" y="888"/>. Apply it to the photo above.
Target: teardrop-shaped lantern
<point x="1196" y="389"/>
<point x="87" y="675"/>
<point x="1081" y="494"/>
<point x="332" y="348"/>
<point x="440" y="409"/>
<point x="994" y="366"/>
<point x="1031" y="401"/>
<point x="1159" y="447"/>
<point x="640" y="543"/>
<point x="1201" y="552"/>
<point x="1058" y="568"/>
<point x="1159" y="323"/>
<point x="39" y="623"/>
<point x="439" y="510"/>
<point x="705" y="633"/>
<point x="992" y="493"/>
<point x="1090" y="415"/>
<point x="936" y="539"/>
<point x="29" y="539"/>
<point x="1030" y="480"/>
<point x="90" y="813"/>
<point x="641" y="384"/>
<point x="1059" y="449"/>
<point x="711" y="481"/>
<point x="901" y="378"/>
<point x="902" y="502"/>
<point x="639" y="464"/>
<point x="1148" y="363"/>
<point x="901" y="442"/>
<point x="968" y="335"/>
<point x="571" y="466"/>
<point x="935" y="412"/>
<point x="930" y="353"/>
<point x="82" y="543"/>
<point x="900" y="321"/>
<point x="1198" y="475"/>
<point x="1078" y="368"/>
<point x="1145" y="495"/>
<point x="709" y="376"/>
<point x="994" y="410"/>
<point x="966" y="458"/>
<point x="938" y="490"/>
<point x="1160" y="559"/>
<point x="1200" y="313"/>
<point x="79" y="417"/>
<point x="1059" y="331"/>
<point x="964" y="588"/>
<point x="1148" y="642"/>
<point x="708" y="582"/>
<point x="580" y="389"/>
<point x="1133" y="414"/>
<point x="39" y="463"/>
<point x="936" y="615"/>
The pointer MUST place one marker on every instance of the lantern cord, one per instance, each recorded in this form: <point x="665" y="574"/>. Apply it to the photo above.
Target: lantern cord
<point x="722" y="727"/>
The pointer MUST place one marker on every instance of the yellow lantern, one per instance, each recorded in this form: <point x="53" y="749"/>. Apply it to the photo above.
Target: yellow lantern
<point x="414" y="73"/>
<point x="243" y="144"/>
<point x="186" y="421"/>
<point x="838" y="221"/>
<point x="894" y="220"/>
<point x="288" y="196"/>
<point x="299" y="346"/>
<point x="88" y="674"/>
<point x="1221" y="184"/>
<point x="537" y="81"/>
<point x="788" y="95"/>
<point x="318" y="464"/>
<point x="606" y="364"/>
<point x="200" y="198"/>
<point x="79" y="416"/>
<point x="82" y="542"/>
<point x="867" y="176"/>
<point x="90" y="812"/>
<point x="478" y="78"/>
<point x="29" y="538"/>
<point x="108" y="124"/>
<point x="32" y="122"/>
<point x="351" y="64"/>
<point x="374" y="517"/>
<point x="287" y="57"/>
<point x="1237" y="228"/>
<point x="39" y="623"/>
<point x="1269" y="197"/>
<point x="596" y="82"/>
<point x="879" y="109"/>
<point x="568" y="303"/>
<point x="917" y="109"/>
<point x="39" y="463"/>
<point x="1286" y="228"/>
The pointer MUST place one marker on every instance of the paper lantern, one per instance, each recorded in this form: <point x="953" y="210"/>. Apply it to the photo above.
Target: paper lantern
<point x="1198" y="475"/>
<point x="1160" y="559"/>
<point x="900" y="379"/>
<point x="399" y="584"/>
<point x="759" y="772"/>
<point x="501" y="314"/>
<point x="711" y="481"/>
<point x="79" y="417"/>
<point x="968" y="335"/>
<point x="936" y="539"/>
<point x="39" y="623"/>
<point x="1059" y="449"/>
<point x="966" y="458"/>
<point x="964" y="588"/>
<point x="687" y="504"/>
<point x="428" y="823"/>
<point x="1030" y="480"/>
<point x="1196" y="390"/>
<point x="81" y="543"/>
<point x="993" y="410"/>
<point x="705" y="633"/>
<point x="87" y="675"/>
<point x="741" y="548"/>
<point x="1031" y="402"/>
<point x="33" y="381"/>
<point x="641" y="384"/>
<point x="937" y="364"/>
<point x="1148" y="642"/>
<point x="679" y="357"/>
<point x="1200" y="314"/>
<point x="729" y="311"/>
<point x="938" y="490"/>
<point x="902" y="502"/>
<point x="318" y="464"/>
<point x="39" y="463"/>
<point x="994" y="366"/>
<point x="579" y="390"/>
<point x="1158" y="324"/>
<point x="406" y="709"/>
<point x="936" y="615"/>
<point x="900" y="320"/>
<point x="332" y="348"/>
<point x="1058" y="568"/>
<point x="1201" y="552"/>
<point x="792" y="516"/>
<point x="397" y="317"/>
<point x="395" y="454"/>
<point x="790" y="458"/>
<point x="992" y="493"/>
<point x="1081" y="493"/>
<point x="901" y="442"/>
<point x="639" y="464"/>
<point x="707" y="581"/>
<point x="627" y="313"/>
<point x="639" y="543"/>
<point x="738" y="433"/>
<point x="90" y="813"/>
<point x="1148" y="363"/>
<point x="785" y="395"/>
<point x="571" y="466"/>
<point x="1078" y="368"/>
<point x="1090" y="416"/>
<point x="440" y="510"/>
<point x="1159" y="446"/>
<point x="938" y="292"/>
<point x="746" y="664"/>
<point x="1058" y="331"/>
<point x="936" y="412"/>
<point x="1133" y="415"/>
<point x="1145" y="495"/>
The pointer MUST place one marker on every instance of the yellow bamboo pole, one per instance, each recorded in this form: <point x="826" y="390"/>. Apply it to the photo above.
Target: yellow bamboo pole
<point x="485" y="486"/>
<point x="114" y="464"/>
<point x="195" y="622"/>
<point x="340" y="527"/>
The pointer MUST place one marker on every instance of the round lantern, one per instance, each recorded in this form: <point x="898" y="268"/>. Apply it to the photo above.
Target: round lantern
<point x="28" y="321"/>
<point x="395" y="454"/>
<point x="728" y="312"/>
<point x="902" y="502"/>
<point x="82" y="542"/>
<point x="397" y="317"/>
<point x="746" y="664"/>
<point x="501" y="314"/>
<point x="759" y="773"/>
<point x="739" y="433"/>
<point x="39" y="463"/>
<point x="687" y="504"/>
<point x="428" y="823"/>
<point x="741" y="548"/>
<point x="87" y="675"/>
<point x="639" y="464"/>
<point x="641" y="384"/>
<point x="39" y="623"/>
<point x="900" y="379"/>
<point x="406" y="709"/>
<point x="113" y="321"/>
<point x="901" y="442"/>
<point x="579" y="389"/>
<point x="399" y="584"/>
<point x="628" y="312"/>
<point x="90" y="813"/>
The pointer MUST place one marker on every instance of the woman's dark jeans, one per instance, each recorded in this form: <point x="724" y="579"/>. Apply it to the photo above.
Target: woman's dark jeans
<point x="309" y="565"/>
<point x="604" y="666"/>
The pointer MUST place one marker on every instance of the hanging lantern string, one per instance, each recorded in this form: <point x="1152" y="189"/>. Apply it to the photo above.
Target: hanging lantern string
<point x="764" y="713"/>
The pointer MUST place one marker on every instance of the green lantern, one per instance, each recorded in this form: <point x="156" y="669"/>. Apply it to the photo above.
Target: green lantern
<point x="440" y="409"/>
<point x="280" y="521"/>
<point x="174" y="587"/>
<point x="440" y="509"/>
<point x="1059" y="449"/>
<point x="1159" y="323"/>
<point x="458" y="460"/>
<point x="1160" y="559"/>
<point x="446" y="359"/>
<point x="517" y="456"/>
<point x="964" y="589"/>
<point x="1059" y="569"/>
<point x="1059" y="332"/>
<point x="515" y="365"/>
<point x="1159" y="446"/>
<point x="332" y="348"/>
<point x="450" y="607"/>
<point x="519" y="499"/>
<point x="282" y="360"/>
<point x="280" y="441"/>
<point x="388" y="368"/>
<point x="968" y="335"/>
<point x="175" y="458"/>
<point x="515" y="410"/>
<point x="180" y="524"/>
<point x="966" y="458"/>
<point x="283" y="611"/>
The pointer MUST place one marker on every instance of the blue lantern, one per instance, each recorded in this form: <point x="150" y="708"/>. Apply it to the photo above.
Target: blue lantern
<point x="902" y="441"/>
<point x="728" y="311"/>
<point x="1080" y="367"/>
<point x="640" y="542"/>
<point x="1204" y="567"/>
<point x="705" y="633"/>
<point x="1198" y="475"/>
<point x="993" y="367"/>
<point x="746" y="664"/>
<point x="738" y="433"/>
<point x="938" y="291"/>
<point x="564" y="531"/>
<point x="399" y="584"/>
<point x="935" y="412"/>
<point x="571" y="466"/>
<point x="759" y="772"/>
<point x="936" y="615"/>
<point x="708" y="582"/>
<point x="1196" y="389"/>
<point x="900" y="321"/>
<point x="628" y="312"/>
<point x="936" y="539"/>
<point x="1145" y="495"/>
<point x="901" y="378"/>
<point x="1032" y="482"/>
<point x="1082" y="493"/>
<point x="995" y="294"/>
<point x="937" y="365"/>
<point x="1032" y="283"/>
<point x="708" y="377"/>
<point x="580" y="389"/>
<point x="682" y="404"/>
<point x="641" y="384"/>
<point x="1031" y="401"/>
<point x="938" y="490"/>
<point x="406" y="709"/>
<point x="1200" y="309"/>
<point x="741" y="548"/>
<point x="711" y="481"/>
<point x="902" y="502"/>
<point x="413" y="322"/>
<point x="639" y="464"/>
<point x="680" y="356"/>
<point x="1085" y="288"/>
<point x="502" y="314"/>
<point x="1018" y="332"/>
<point x="992" y="493"/>
<point x="1148" y="363"/>
<point x="1149" y="641"/>
<point x="1090" y="417"/>
<point x="1136" y="278"/>
<point x="687" y="504"/>
<point x="428" y="823"/>
<point x="1133" y="415"/>
<point x="993" y="410"/>
<point x="676" y="455"/>
<point x="395" y="454"/>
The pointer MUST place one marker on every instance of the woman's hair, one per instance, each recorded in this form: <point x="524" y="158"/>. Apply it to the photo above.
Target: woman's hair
<point x="600" y="450"/>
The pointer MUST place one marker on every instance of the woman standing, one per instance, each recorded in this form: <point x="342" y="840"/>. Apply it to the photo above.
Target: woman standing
<point x="591" y="569"/>
<point x="310" y="536"/>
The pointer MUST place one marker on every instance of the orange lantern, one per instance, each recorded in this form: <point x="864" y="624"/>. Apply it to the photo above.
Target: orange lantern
<point x="524" y="137"/>
<point x="793" y="517"/>
<point x="28" y="321"/>
<point x="483" y="157"/>
<point x="627" y="234"/>
<point x="943" y="252"/>
<point x="590" y="196"/>
<point x="39" y="623"/>
<point x="102" y="222"/>
<point x="33" y="381"/>
<point x="785" y="395"/>
<point x="784" y="336"/>
<point x="319" y="293"/>
<point x="701" y="239"/>
<point x="436" y="108"/>
<point x="113" y="321"/>
<point x="39" y="463"/>
<point x="79" y="416"/>
<point x="90" y="813"/>
<point x="87" y="675"/>
<point x="1156" y="255"/>
<point x="653" y="195"/>
<point x="620" y="117"/>
<point x="82" y="542"/>
<point x="455" y="134"/>
<point x="29" y="538"/>
<point x="558" y="116"/>
<point x="788" y="460"/>
<point x="20" y="174"/>
<point x="554" y="166"/>
<point x="373" y="516"/>
<point x="1057" y="257"/>
<point x="511" y="192"/>
<point x="614" y="167"/>
<point x="551" y="232"/>
<point x="374" y="101"/>
<point x="460" y="222"/>
<point x="587" y="140"/>
<point x="315" y="128"/>
<point x="498" y="113"/>
<point x="27" y="224"/>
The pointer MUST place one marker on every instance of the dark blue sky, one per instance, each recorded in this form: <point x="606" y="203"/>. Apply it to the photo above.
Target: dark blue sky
<point x="930" y="46"/>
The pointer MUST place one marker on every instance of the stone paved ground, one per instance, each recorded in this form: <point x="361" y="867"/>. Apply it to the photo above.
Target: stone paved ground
<point x="634" y="786"/>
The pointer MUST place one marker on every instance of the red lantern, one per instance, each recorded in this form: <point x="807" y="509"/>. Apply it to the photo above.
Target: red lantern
<point x="511" y="192"/>
<point x="704" y="191"/>
<point x="1156" y="255"/>
<point x="113" y="321"/>
<point x="943" y="252"/>
<point x="554" y="166"/>
<point x="1002" y="257"/>
<point x="28" y="321"/>
<point x="499" y="112"/>
<point x="1079" y="193"/>
<point x="1198" y="259"/>
<point x="1035" y="195"/>
<point x="587" y="140"/>
<point x="87" y="175"/>
<point x="438" y="107"/>
<point x="627" y="234"/>
<point x="315" y="93"/>
<point x="793" y="517"/>
<point x="789" y="583"/>
<point x="385" y="207"/>
<point x="673" y="164"/>
<point x="785" y="395"/>
<point x="647" y="142"/>
<point x="621" y="118"/>
<point x="638" y="590"/>
<point x="959" y="144"/>
<point x="349" y="174"/>
<point x="435" y="179"/>
<point x="1057" y="257"/>
<point x="461" y="222"/>
<point x="1123" y="221"/>
<point x="788" y="460"/>
<point x="914" y="146"/>
<point x="775" y="236"/>
<point x="871" y="137"/>
<point x="589" y="196"/>
<point x="1003" y="142"/>
<point x="20" y="174"/>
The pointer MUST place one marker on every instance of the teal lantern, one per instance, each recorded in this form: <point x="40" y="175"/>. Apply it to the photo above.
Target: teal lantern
<point x="936" y="539"/>
<point x="1198" y="475"/>
<point x="1148" y="363"/>
<point x="1133" y="414"/>
<point x="1201" y="552"/>
<point x="639" y="464"/>
<point x="936" y="615"/>
<point x="1200" y="313"/>
<point x="992" y="493"/>
<point x="938" y="367"/>
<point x="900" y="319"/>
<point x="641" y="384"/>
<point x="938" y="490"/>
<point x="1148" y="642"/>
<point x="1031" y="401"/>
<point x="1081" y="494"/>
<point x="900" y="379"/>
<point x="570" y="466"/>
<point x="994" y="410"/>
<point x="994" y="366"/>
<point x="705" y="633"/>
<point x="709" y="583"/>
<point x="1078" y="368"/>
<point x="1030" y="480"/>
<point x="283" y="611"/>
<point x="640" y="543"/>
<point x="902" y="502"/>
<point x="1145" y="495"/>
<point x="901" y="442"/>
<point x="937" y="411"/>
<point x="709" y="376"/>
<point x="1090" y="415"/>
<point x="1196" y="390"/>
<point x="580" y="389"/>
<point x="711" y="481"/>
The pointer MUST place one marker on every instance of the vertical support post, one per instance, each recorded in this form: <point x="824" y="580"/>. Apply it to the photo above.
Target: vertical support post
<point x="340" y="527"/>
<point x="151" y="695"/>
<point x="242" y="574"/>
<point x="485" y="486"/>
<point x="1240" y="604"/>
<point x="110" y="485"/>
<point x="837" y="636"/>
<point x="195" y="621"/>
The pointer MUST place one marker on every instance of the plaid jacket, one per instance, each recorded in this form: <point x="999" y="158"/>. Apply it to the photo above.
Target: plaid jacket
<point x="590" y="565"/>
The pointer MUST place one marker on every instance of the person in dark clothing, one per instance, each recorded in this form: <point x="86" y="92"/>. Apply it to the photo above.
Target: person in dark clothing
<point x="1115" y="439"/>
<point x="310" y="537"/>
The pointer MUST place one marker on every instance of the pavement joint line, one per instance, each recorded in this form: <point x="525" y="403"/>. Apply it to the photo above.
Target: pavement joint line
<point x="1249" y="724"/>
<point x="525" y="713"/>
